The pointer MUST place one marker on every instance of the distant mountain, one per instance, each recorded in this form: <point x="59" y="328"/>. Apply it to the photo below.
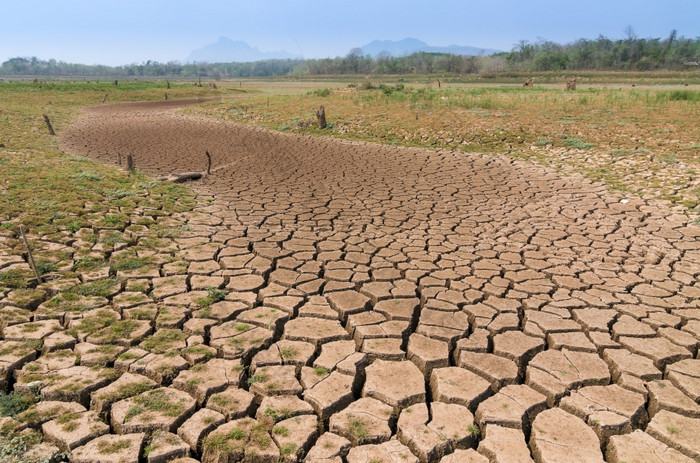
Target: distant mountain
<point x="408" y="46"/>
<point x="226" y="50"/>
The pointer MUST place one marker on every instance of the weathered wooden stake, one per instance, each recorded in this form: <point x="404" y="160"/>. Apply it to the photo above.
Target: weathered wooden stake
<point x="166" y="96"/>
<point x="208" y="161"/>
<point x="29" y="255"/>
<point x="105" y="98"/>
<point x="119" y="159"/>
<point x="48" y="124"/>
<point x="168" y="82"/>
<point x="439" y="85"/>
<point x="268" y="101"/>
<point x="130" y="163"/>
<point x="321" y="117"/>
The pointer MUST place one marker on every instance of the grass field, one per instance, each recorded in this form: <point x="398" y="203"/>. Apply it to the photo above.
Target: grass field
<point x="642" y="138"/>
<point x="53" y="195"/>
<point x="104" y="232"/>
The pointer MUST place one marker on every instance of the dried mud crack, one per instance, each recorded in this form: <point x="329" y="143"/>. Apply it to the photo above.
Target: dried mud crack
<point x="343" y="302"/>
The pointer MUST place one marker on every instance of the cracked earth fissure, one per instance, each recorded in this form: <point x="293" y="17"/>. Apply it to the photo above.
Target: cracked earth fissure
<point x="355" y="271"/>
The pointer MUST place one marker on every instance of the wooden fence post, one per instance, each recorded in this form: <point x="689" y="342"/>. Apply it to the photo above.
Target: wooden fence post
<point x="48" y="124"/>
<point x="321" y="117"/>
<point x="29" y="256"/>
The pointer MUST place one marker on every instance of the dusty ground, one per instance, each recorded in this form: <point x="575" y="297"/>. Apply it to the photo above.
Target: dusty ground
<point x="383" y="304"/>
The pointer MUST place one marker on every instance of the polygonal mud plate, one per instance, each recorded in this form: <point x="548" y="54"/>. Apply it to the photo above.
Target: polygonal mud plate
<point x="75" y="384"/>
<point x="110" y="449"/>
<point x="159" y="409"/>
<point x="365" y="421"/>
<point x="233" y="403"/>
<point x="71" y="430"/>
<point x="236" y="440"/>
<point x="164" y="447"/>
<point x="205" y="379"/>
<point x="398" y="384"/>
<point x="128" y="385"/>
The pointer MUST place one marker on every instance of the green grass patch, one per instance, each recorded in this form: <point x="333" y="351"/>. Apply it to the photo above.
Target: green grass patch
<point x="357" y="428"/>
<point x="163" y="340"/>
<point x="154" y="401"/>
<point x="577" y="143"/>
<point x="257" y="378"/>
<point x="214" y="295"/>
<point x="15" y="279"/>
<point x="14" y="403"/>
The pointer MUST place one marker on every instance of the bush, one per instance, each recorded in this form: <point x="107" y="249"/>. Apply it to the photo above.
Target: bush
<point x="367" y="85"/>
<point x="388" y="89"/>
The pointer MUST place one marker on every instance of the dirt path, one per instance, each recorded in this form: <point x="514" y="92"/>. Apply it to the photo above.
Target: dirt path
<point x="422" y="302"/>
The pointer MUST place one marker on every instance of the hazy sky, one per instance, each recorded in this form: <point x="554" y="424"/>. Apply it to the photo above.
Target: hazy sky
<point x="127" y="31"/>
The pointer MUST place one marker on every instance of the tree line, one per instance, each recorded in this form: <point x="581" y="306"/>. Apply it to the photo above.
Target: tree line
<point x="630" y="53"/>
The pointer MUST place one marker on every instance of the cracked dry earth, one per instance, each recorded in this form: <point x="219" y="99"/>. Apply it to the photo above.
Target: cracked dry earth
<point x="377" y="304"/>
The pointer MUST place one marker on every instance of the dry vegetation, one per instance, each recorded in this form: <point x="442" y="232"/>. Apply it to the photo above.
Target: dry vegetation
<point x="140" y="270"/>
<point x="641" y="139"/>
<point x="48" y="191"/>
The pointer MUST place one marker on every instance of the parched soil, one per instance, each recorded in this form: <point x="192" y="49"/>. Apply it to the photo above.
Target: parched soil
<point x="391" y="304"/>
